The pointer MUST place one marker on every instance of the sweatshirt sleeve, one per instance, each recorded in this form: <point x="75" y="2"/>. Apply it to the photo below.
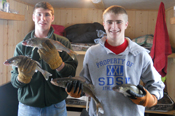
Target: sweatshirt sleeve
<point x="152" y="79"/>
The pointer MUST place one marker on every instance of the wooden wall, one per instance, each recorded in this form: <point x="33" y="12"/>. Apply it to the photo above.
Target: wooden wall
<point x="71" y="16"/>
<point x="170" y="77"/>
<point x="12" y="32"/>
<point x="171" y="28"/>
<point x="141" y="22"/>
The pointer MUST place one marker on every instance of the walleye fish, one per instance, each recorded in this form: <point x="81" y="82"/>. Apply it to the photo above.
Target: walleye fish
<point x="124" y="87"/>
<point x="87" y="88"/>
<point x="36" y="43"/>
<point x="15" y="60"/>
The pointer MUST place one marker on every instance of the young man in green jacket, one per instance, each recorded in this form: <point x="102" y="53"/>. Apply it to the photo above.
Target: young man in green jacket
<point x="36" y="95"/>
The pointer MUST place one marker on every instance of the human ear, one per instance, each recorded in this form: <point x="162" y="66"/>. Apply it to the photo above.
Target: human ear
<point x="33" y="18"/>
<point x="53" y="18"/>
<point x="126" y="24"/>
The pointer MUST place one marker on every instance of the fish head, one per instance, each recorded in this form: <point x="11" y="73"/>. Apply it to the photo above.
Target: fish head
<point x="58" y="83"/>
<point x="54" y="82"/>
<point x="117" y="88"/>
<point x="121" y="89"/>
<point x="125" y="87"/>
<point x="7" y="63"/>
<point x="12" y="61"/>
<point x="32" y="42"/>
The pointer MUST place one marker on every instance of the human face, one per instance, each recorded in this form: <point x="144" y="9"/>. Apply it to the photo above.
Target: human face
<point x="43" y="19"/>
<point x="115" y="25"/>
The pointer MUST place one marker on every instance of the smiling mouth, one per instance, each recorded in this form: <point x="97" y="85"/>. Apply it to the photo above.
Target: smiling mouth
<point x="114" y="32"/>
<point x="42" y="23"/>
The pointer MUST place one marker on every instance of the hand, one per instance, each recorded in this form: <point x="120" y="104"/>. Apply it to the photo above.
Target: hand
<point x="26" y="69"/>
<point x="145" y="99"/>
<point x="75" y="89"/>
<point x="50" y="55"/>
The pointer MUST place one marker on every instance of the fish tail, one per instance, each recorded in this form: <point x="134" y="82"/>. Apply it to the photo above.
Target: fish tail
<point x="99" y="108"/>
<point x="46" y="74"/>
<point x="97" y="113"/>
<point x="72" y="54"/>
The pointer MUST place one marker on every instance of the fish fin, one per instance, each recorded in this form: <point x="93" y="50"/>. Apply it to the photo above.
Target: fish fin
<point x="91" y="88"/>
<point x="59" y="50"/>
<point x="140" y="92"/>
<point x="59" y="43"/>
<point x="79" y="78"/>
<point x="46" y="74"/>
<point x="39" y="55"/>
<point x="54" y="82"/>
<point x="99" y="108"/>
<point x="125" y="94"/>
<point x="72" y="54"/>
<point x="33" y="49"/>
<point x="38" y="64"/>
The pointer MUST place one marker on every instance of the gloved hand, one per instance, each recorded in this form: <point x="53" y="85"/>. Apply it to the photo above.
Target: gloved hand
<point x="75" y="89"/>
<point x="146" y="99"/>
<point x="26" y="69"/>
<point x="50" y="55"/>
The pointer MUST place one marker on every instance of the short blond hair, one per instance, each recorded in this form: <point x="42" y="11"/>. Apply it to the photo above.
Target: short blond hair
<point x="116" y="9"/>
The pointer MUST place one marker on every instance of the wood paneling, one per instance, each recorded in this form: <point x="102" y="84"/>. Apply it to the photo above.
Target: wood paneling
<point x="152" y="21"/>
<point x="11" y="16"/>
<point x="130" y="31"/>
<point x="172" y="20"/>
<point x="170" y="77"/>
<point x="170" y="27"/>
<point x="12" y="32"/>
<point x="141" y="22"/>
<point x="71" y="16"/>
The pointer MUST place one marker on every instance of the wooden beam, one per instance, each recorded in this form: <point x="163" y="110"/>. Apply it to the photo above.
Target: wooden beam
<point x="11" y="16"/>
<point x="172" y="20"/>
<point x="99" y="5"/>
<point x="21" y="1"/>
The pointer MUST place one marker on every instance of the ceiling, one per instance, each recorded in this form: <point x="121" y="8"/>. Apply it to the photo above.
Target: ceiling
<point x="128" y="4"/>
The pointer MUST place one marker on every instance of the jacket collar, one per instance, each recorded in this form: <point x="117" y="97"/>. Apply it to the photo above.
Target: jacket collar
<point x="51" y="31"/>
<point x="132" y="48"/>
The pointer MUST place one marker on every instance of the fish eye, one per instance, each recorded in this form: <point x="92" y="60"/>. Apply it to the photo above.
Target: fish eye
<point x="31" y="41"/>
<point x="14" y="62"/>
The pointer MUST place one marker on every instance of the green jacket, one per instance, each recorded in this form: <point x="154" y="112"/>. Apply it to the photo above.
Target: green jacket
<point x="39" y="92"/>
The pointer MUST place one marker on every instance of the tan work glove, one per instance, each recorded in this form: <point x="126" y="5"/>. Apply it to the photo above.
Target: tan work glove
<point x="146" y="99"/>
<point x="50" y="55"/>
<point x="26" y="69"/>
<point x="75" y="89"/>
